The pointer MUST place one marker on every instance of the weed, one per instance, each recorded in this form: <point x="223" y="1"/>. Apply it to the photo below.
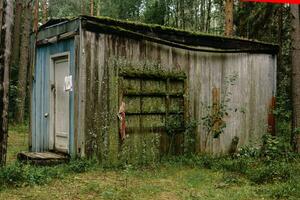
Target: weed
<point x="276" y="171"/>
<point x="275" y="149"/>
<point x="80" y="165"/>
<point x="231" y="179"/>
<point x="17" y="174"/>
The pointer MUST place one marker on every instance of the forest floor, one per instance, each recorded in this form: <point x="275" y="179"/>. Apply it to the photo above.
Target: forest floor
<point x="168" y="181"/>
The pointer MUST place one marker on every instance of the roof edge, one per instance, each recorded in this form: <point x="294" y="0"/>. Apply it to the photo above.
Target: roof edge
<point x="174" y="35"/>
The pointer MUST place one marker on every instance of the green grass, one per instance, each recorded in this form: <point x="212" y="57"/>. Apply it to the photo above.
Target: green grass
<point x="17" y="141"/>
<point x="181" y="178"/>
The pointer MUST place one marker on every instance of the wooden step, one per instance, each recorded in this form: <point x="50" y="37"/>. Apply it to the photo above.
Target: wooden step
<point x="43" y="158"/>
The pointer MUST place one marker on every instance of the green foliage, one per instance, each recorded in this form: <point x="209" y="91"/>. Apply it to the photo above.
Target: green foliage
<point x="12" y="175"/>
<point x="213" y="122"/>
<point x="286" y="190"/>
<point x="275" y="171"/>
<point x="18" y="174"/>
<point x="80" y="165"/>
<point x="64" y="8"/>
<point x="275" y="149"/>
<point x="248" y="151"/>
<point x="190" y="136"/>
<point x="155" y="12"/>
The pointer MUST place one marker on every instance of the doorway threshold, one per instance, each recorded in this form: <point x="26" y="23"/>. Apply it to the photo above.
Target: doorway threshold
<point x="43" y="158"/>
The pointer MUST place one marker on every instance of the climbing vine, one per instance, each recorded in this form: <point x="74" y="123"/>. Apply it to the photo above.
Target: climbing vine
<point x="213" y="122"/>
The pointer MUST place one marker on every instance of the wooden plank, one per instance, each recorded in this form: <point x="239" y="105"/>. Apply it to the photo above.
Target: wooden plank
<point x="82" y="95"/>
<point x="42" y="155"/>
<point x="206" y="70"/>
<point x="76" y="93"/>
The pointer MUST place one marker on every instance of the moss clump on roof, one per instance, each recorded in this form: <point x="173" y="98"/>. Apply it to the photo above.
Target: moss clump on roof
<point x="170" y="36"/>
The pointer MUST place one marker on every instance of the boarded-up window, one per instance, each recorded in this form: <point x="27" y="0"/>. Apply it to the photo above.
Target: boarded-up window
<point x="154" y="100"/>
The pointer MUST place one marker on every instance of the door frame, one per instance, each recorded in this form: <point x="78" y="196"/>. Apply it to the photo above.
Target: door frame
<point x="51" y="129"/>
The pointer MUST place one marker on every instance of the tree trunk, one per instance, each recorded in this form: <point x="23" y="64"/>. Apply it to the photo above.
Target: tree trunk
<point x="296" y="76"/>
<point x="92" y="7"/>
<point x="16" y="37"/>
<point x="182" y="14"/>
<point x="229" y="18"/>
<point x="83" y="7"/>
<point x="9" y="17"/>
<point x="1" y="19"/>
<point x="98" y="7"/>
<point x="23" y="66"/>
<point x="36" y="16"/>
<point x="45" y="11"/>
<point x="208" y="17"/>
<point x="202" y="15"/>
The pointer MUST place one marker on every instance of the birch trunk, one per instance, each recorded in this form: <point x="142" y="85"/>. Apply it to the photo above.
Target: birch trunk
<point x="6" y="45"/>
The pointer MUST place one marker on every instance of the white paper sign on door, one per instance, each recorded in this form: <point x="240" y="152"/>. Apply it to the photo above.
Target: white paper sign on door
<point x="68" y="83"/>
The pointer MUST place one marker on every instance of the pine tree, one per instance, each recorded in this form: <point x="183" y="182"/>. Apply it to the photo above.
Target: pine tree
<point x="23" y="66"/>
<point x="296" y="75"/>
<point x="229" y="18"/>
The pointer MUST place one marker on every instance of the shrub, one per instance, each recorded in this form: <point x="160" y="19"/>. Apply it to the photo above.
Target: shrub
<point x="80" y="165"/>
<point x="18" y="174"/>
<point x="274" y="148"/>
<point x="275" y="171"/>
<point x="240" y="165"/>
<point x="12" y="174"/>
<point x="248" y="152"/>
<point x="286" y="190"/>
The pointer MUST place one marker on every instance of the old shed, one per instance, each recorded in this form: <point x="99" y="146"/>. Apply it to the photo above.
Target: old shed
<point x="174" y="84"/>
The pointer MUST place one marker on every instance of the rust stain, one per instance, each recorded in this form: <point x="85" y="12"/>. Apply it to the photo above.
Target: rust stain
<point x="271" y="117"/>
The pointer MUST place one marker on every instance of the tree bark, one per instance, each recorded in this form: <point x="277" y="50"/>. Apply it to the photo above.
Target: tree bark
<point x="83" y="7"/>
<point x="229" y="17"/>
<point x="202" y="15"/>
<point x="208" y="16"/>
<point x="23" y="66"/>
<point x="45" y="11"/>
<point x="1" y="18"/>
<point x="5" y="71"/>
<point x="92" y="7"/>
<point x="98" y="7"/>
<point x="17" y="28"/>
<point x="296" y="76"/>
<point x="36" y="16"/>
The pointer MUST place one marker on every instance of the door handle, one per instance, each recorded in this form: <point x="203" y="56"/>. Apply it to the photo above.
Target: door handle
<point x="52" y="86"/>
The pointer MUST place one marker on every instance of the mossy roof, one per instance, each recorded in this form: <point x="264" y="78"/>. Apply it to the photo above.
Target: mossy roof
<point x="167" y="34"/>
